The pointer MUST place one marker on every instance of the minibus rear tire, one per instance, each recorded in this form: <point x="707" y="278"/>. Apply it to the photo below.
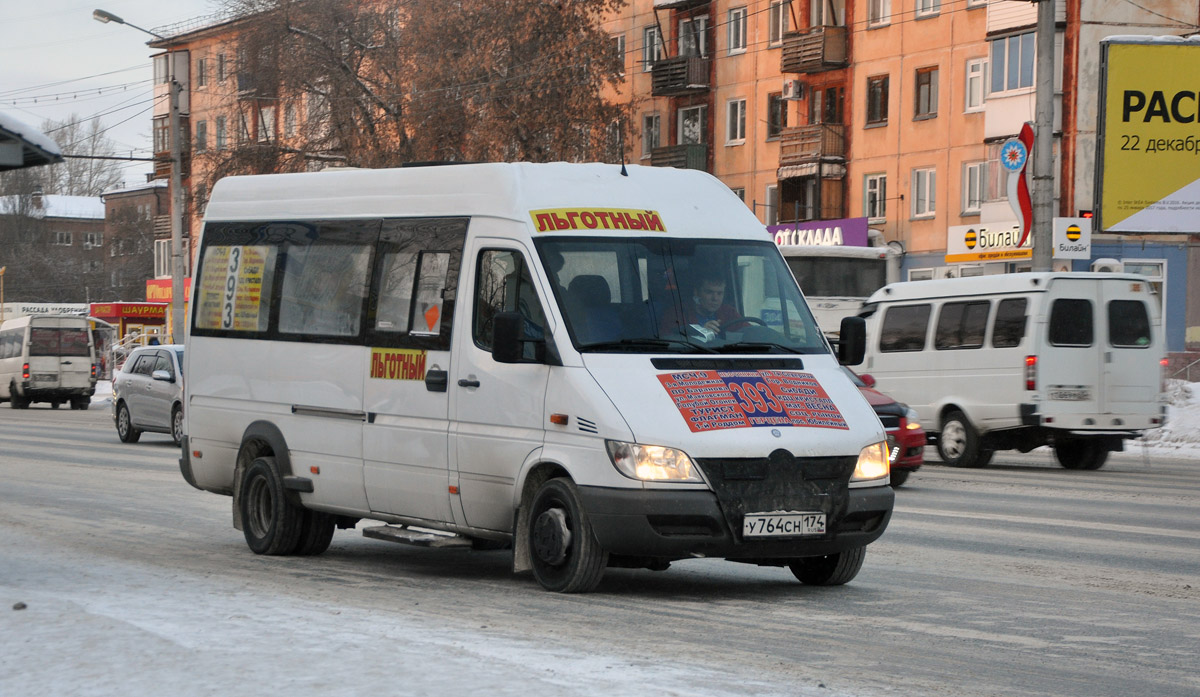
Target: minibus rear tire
<point x="1081" y="454"/>
<point x="270" y="523"/>
<point x="831" y="569"/>
<point x="556" y="514"/>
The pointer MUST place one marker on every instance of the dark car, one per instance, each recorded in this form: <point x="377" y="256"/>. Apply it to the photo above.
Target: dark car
<point x="905" y="437"/>
<point x="148" y="393"/>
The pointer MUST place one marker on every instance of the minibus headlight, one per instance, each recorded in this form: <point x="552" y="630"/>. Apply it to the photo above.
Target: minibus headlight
<point x="914" y="421"/>
<point x="652" y="463"/>
<point x="872" y="463"/>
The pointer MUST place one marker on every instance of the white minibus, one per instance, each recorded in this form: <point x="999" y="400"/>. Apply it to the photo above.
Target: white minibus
<point x="1018" y="361"/>
<point x="570" y="359"/>
<point x="47" y="358"/>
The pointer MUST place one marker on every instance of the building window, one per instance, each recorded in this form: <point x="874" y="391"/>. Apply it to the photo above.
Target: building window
<point x="222" y="68"/>
<point x="772" y="205"/>
<point x="1012" y="62"/>
<point x="976" y="79"/>
<point x="62" y="239"/>
<point x="618" y="49"/>
<point x="691" y="124"/>
<point x="93" y="239"/>
<point x="266" y="123"/>
<point x="201" y="136"/>
<point x="827" y="13"/>
<point x="776" y="115"/>
<point x="243" y="127"/>
<point x="877" y="99"/>
<point x="693" y="37"/>
<point x="735" y="132"/>
<point x="289" y="120"/>
<point x="974" y="187"/>
<point x="875" y="196"/>
<point x="162" y="70"/>
<point x="652" y="48"/>
<point x="737" y="30"/>
<point x="201" y="72"/>
<point x="777" y="21"/>
<point x="162" y="135"/>
<point x="651" y="134"/>
<point x="162" y="258"/>
<point x="879" y="12"/>
<point x="825" y="106"/>
<point x="927" y="93"/>
<point x="740" y="192"/>
<point x="221" y="133"/>
<point x="971" y="4"/>
<point x="928" y="8"/>
<point x="924" y="185"/>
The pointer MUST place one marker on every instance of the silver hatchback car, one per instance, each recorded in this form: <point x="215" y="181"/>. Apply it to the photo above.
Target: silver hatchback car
<point x="148" y="393"/>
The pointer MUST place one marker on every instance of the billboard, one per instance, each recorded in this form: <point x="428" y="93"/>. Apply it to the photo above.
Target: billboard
<point x="1148" y="145"/>
<point x="1004" y="241"/>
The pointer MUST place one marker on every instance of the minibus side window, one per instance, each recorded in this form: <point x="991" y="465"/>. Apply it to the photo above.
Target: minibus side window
<point x="1008" y="329"/>
<point x="503" y="284"/>
<point x="416" y="276"/>
<point x="324" y="288"/>
<point x="1128" y="324"/>
<point x="904" y="328"/>
<point x="1071" y="322"/>
<point x="961" y="325"/>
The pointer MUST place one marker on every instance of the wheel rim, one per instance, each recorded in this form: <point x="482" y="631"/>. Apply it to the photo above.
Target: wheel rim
<point x="177" y="426"/>
<point x="123" y="421"/>
<point x="552" y="536"/>
<point x="261" y="504"/>
<point x="953" y="439"/>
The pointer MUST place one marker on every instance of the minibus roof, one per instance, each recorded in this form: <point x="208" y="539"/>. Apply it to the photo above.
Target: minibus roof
<point x="994" y="284"/>
<point x="690" y="203"/>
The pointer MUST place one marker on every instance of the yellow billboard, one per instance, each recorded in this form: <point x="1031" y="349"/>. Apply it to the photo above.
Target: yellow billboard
<point x="1148" y="169"/>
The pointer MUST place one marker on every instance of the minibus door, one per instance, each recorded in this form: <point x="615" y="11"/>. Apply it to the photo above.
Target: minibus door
<point x="498" y="407"/>
<point x="1069" y="367"/>
<point x="1132" y="354"/>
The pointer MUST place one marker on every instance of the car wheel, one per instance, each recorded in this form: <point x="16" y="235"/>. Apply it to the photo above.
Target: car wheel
<point x="566" y="556"/>
<point x="1081" y="454"/>
<point x="271" y="524"/>
<point x="958" y="443"/>
<point x="898" y="477"/>
<point x="177" y="424"/>
<point x="125" y="430"/>
<point x="831" y="569"/>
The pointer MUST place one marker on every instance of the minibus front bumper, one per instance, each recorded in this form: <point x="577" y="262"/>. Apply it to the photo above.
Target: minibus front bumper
<point x="668" y="524"/>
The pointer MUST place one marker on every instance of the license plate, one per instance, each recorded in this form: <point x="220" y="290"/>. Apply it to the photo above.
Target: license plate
<point x="44" y="377"/>
<point x="1071" y="395"/>
<point x="783" y="524"/>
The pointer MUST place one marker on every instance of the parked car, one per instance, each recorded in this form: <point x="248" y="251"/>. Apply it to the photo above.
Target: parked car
<point x="905" y="437"/>
<point x="148" y="393"/>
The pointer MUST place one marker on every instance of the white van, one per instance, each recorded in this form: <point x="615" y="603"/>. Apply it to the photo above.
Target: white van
<point x="47" y="358"/>
<point x="507" y="354"/>
<point x="1017" y="361"/>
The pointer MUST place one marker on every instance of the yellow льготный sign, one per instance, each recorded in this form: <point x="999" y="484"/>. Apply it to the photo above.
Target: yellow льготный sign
<point x="397" y="364"/>
<point x="1150" y="176"/>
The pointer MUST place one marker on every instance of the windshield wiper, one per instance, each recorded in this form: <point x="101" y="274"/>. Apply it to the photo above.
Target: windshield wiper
<point x="755" y="346"/>
<point x="645" y="343"/>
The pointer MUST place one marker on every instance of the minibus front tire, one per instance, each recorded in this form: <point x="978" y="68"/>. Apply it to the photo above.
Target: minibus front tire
<point x="831" y="569"/>
<point x="563" y="550"/>
<point x="270" y="523"/>
<point x="958" y="443"/>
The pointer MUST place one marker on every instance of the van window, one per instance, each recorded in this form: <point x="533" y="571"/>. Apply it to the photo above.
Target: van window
<point x="324" y="286"/>
<point x="51" y="341"/>
<point x="1071" y="322"/>
<point x="1008" y="329"/>
<point x="416" y="278"/>
<point x="961" y="325"/>
<point x="904" y="328"/>
<point x="503" y="284"/>
<point x="1128" y="324"/>
<point x="236" y="277"/>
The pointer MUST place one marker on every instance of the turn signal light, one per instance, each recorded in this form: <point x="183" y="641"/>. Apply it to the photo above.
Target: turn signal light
<point x="1031" y="372"/>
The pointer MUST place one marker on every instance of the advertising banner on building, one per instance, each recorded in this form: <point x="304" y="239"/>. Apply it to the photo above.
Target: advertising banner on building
<point x="844" y="232"/>
<point x="988" y="242"/>
<point x="1148" y="145"/>
<point x="1072" y="238"/>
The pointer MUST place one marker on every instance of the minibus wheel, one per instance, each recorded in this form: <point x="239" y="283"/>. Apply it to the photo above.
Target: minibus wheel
<point x="125" y="430"/>
<point x="831" y="569"/>
<point x="1081" y="454"/>
<point x="316" y="532"/>
<point x="565" y="554"/>
<point x="271" y="524"/>
<point x="958" y="443"/>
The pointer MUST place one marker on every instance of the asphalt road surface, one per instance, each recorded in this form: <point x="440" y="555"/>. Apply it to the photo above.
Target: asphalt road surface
<point x="1019" y="579"/>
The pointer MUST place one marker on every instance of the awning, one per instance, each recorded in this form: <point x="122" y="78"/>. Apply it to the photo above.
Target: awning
<point x="21" y="145"/>
<point x="828" y="170"/>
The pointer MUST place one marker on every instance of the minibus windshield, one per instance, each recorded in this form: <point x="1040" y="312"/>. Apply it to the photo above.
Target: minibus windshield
<point x="664" y="295"/>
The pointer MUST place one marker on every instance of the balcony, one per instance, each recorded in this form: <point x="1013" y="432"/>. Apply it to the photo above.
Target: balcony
<point x="687" y="156"/>
<point x="805" y="144"/>
<point x="818" y="49"/>
<point x="673" y="77"/>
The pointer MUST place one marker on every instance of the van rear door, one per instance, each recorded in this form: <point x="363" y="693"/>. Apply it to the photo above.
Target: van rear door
<point x="1133" y="348"/>
<point x="1070" y="352"/>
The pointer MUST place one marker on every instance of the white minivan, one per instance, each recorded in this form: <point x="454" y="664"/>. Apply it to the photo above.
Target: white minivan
<point x="47" y="358"/>
<point x="570" y="359"/>
<point x="1017" y="361"/>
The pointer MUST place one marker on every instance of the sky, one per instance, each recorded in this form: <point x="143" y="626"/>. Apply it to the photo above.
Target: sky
<point x="55" y="61"/>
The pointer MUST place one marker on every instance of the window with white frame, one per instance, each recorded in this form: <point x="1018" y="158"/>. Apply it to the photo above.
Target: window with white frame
<point x="926" y="93"/>
<point x="162" y="258"/>
<point x="777" y="21"/>
<point x="974" y="187"/>
<point x="162" y="71"/>
<point x="651" y="133"/>
<point x="976" y="3"/>
<point x="776" y="115"/>
<point x="928" y="8"/>
<point x="827" y="13"/>
<point x="266" y="123"/>
<point x="221" y="135"/>
<point x="693" y="36"/>
<point x="201" y="72"/>
<point x="875" y="197"/>
<point x="740" y="192"/>
<point x="289" y="120"/>
<point x="691" y="124"/>
<point x="976" y="81"/>
<point x="1012" y="62"/>
<point x="877" y="99"/>
<point x="222" y="67"/>
<point x="62" y="238"/>
<point x="879" y="12"/>
<point x="772" y="205"/>
<point x="924" y="186"/>
<point x="736" y="24"/>
<point x="735" y="131"/>
<point x="652" y="48"/>
<point x="93" y="239"/>
<point x="618" y="47"/>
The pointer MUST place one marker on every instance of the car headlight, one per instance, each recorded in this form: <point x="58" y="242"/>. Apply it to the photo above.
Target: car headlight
<point x="914" y="421"/>
<point x="872" y="463"/>
<point x="652" y="463"/>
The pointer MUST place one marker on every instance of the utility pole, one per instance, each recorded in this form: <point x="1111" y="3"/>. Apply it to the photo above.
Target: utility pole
<point x="1043" y="141"/>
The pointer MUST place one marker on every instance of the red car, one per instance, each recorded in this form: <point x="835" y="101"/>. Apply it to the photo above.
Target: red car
<point x="906" y="438"/>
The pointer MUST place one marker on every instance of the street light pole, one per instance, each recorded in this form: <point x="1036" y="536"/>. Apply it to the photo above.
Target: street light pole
<point x="2" y="312"/>
<point x="177" y="267"/>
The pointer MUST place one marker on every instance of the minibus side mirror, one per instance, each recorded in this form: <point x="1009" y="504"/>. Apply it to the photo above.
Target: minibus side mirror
<point x="507" y="330"/>
<point x="852" y="341"/>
